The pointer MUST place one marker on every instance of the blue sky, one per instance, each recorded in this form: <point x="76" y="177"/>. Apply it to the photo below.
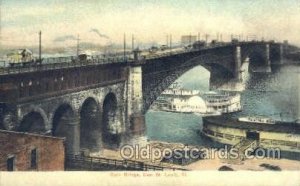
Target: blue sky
<point x="149" y="21"/>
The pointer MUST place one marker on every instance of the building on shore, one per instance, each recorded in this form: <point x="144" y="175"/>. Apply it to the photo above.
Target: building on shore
<point x="31" y="152"/>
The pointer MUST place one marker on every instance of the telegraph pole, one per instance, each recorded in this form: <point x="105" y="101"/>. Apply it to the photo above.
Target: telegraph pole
<point x="0" y="24"/>
<point x="167" y="40"/>
<point x="170" y="42"/>
<point x="77" y="53"/>
<point x="132" y="42"/>
<point x="206" y="38"/>
<point x="40" y="46"/>
<point x="124" y="46"/>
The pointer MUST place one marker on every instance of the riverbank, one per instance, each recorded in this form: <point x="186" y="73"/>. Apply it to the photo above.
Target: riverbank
<point x="250" y="164"/>
<point x="215" y="163"/>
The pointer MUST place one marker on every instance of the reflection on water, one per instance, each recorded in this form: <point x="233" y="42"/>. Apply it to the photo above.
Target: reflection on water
<point x="273" y="94"/>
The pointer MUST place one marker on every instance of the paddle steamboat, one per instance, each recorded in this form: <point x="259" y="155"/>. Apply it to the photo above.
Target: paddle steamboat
<point x="177" y="99"/>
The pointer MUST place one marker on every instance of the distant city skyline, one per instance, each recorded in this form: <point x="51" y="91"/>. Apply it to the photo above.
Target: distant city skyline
<point x="104" y="22"/>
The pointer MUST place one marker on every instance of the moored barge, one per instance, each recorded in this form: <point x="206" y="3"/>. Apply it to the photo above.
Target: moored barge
<point x="267" y="132"/>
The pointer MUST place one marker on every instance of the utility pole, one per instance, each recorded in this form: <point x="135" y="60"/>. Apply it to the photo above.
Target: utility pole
<point x="40" y="46"/>
<point x="167" y="40"/>
<point x="170" y="42"/>
<point x="132" y="42"/>
<point x="190" y="39"/>
<point x="206" y="38"/>
<point x="77" y="52"/>
<point x="124" y="46"/>
<point x="0" y="24"/>
<point x="198" y="36"/>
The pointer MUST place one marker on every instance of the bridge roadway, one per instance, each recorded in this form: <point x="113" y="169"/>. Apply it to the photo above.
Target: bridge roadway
<point x="101" y="102"/>
<point x="53" y="63"/>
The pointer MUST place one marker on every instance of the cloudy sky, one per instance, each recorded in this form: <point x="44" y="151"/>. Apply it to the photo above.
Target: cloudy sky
<point x="105" y="21"/>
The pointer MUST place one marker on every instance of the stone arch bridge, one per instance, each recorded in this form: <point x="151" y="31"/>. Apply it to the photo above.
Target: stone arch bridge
<point x="102" y="102"/>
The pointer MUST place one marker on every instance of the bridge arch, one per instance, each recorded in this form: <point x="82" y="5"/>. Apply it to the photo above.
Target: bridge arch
<point x="33" y="122"/>
<point x="110" y="122"/>
<point x="256" y="60"/>
<point x="66" y="124"/>
<point x="258" y="55"/>
<point x="223" y="64"/>
<point x="90" y="125"/>
<point x="153" y="86"/>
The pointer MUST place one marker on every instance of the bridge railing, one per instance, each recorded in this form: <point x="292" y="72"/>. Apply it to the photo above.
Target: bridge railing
<point x="59" y="63"/>
<point x="173" y="51"/>
<point x="73" y="61"/>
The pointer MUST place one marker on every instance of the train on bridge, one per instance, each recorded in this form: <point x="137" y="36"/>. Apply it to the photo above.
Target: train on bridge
<point x="20" y="57"/>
